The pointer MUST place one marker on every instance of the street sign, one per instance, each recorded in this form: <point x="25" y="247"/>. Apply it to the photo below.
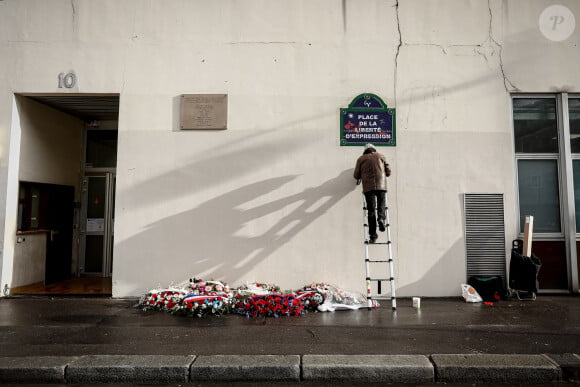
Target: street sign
<point x="367" y="120"/>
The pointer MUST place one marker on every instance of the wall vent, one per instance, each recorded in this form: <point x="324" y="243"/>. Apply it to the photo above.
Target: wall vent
<point x="485" y="235"/>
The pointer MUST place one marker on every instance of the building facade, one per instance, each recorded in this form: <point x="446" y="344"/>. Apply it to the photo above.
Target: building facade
<point x="100" y="177"/>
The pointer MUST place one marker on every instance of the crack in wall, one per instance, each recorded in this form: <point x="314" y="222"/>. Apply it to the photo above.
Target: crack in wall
<point x="272" y="42"/>
<point x="508" y="85"/>
<point x="74" y="16"/>
<point x="398" y="51"/>
<point x="489" y="47"/>
<point x="343" y="16"/>
<point x="439" y="46"/>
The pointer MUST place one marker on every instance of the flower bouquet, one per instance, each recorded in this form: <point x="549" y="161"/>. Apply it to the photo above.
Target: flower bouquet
<point x="269" y="305"/>
<point x="256" y="288"/>
<point x="199" y="286"/>
<point x="201" y="305"/>
<point x="162" y="299"/>
<point x="195" y="298"/>
<point x="198" y="297"/>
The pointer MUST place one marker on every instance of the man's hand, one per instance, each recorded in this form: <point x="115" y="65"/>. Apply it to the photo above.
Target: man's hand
<point x="358" y="181"/>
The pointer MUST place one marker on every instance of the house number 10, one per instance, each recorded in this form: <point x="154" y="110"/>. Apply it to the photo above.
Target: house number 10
<point x="67" y="80"/>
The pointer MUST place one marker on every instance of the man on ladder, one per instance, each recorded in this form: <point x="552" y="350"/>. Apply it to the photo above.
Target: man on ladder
<point x="372" y="168"/>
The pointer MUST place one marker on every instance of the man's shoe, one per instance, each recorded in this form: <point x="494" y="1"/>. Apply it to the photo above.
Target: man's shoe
<point x="381" y="226"/>
<point x="373" y="238"/>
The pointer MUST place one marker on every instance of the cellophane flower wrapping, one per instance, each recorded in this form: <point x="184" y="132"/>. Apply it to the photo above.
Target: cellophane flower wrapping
<point x="257" y="288"/>
<point x="162" y="299"/>
<point x="195" y="298"/>
<point x="198" y="297"/>
<point x="335" y="298"/>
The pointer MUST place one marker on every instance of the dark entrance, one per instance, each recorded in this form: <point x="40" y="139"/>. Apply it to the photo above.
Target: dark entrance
<point x="60" y="214"/>
<point x="49" y="208"/>
<point x="51" y="202"/>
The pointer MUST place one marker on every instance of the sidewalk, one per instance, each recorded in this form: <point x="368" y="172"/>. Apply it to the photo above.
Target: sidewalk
<point x="77" y="340"/>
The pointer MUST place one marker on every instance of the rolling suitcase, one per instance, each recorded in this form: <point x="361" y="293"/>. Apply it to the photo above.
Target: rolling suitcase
<point x="523" y="272"/>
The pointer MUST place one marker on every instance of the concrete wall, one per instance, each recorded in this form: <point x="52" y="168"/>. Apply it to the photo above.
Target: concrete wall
<point x="29" y="259"/>
<point x="272" y="197"/>
<point x="50" y="151"/>
<point x="51" y="145"/>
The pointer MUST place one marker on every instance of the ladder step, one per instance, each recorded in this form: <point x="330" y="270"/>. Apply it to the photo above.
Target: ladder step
<point x="381" y="279"/>
<point x="377" y="243"/>
<point x="381" y="261"/>
<point x="386" y="225"/>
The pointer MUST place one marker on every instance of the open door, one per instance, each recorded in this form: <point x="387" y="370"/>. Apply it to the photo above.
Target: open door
<point x="49" y="209"/>
<point x="60" y="212"/>
<point x="98" y="193"/>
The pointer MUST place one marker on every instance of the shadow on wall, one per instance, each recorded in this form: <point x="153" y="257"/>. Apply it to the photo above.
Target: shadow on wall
<point x="207" y="172"/>
<point x="207" y="240"/>
<point x="438" y="275"/>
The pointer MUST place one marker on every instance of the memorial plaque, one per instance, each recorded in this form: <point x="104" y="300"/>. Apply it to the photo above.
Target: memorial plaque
<point x="204" y="111"/>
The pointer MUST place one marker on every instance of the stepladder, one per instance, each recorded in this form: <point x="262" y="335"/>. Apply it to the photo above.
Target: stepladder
<point x="379" y="263"/>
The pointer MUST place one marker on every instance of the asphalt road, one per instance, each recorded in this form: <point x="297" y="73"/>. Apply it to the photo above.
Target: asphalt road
<point x="100" y="326"/>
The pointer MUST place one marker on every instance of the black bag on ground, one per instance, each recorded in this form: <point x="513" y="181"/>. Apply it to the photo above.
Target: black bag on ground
<point x="489" y="288"/>
<point x="524" y="270"/>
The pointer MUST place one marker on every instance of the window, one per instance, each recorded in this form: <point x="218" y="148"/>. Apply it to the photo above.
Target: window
<point x="536" y="147"/>
<point x="574" y="113"/>
<point x="539" y="194"/>
<point x="535" y="125"/>
<point x="547" y="155"/>
<point x="101" y="149"/>
<point x="31" y="207"/>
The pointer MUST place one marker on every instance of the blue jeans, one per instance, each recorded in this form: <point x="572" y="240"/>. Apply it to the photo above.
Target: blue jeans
<point x="375" y="203"/>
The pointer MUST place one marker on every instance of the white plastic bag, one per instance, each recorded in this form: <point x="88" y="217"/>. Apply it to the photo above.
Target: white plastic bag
<point x="338" y="299"/>
<point x="470" y="294"/>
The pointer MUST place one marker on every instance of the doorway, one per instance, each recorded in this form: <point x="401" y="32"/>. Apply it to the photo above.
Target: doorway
<point x="78" y="259"/>
<point x="97" y="224"/>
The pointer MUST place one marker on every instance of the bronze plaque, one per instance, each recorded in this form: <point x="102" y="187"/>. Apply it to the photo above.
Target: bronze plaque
<point x="204" y="111"/>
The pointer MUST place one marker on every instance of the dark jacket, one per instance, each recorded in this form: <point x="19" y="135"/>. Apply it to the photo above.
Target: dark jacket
<point x="372" y="168"/>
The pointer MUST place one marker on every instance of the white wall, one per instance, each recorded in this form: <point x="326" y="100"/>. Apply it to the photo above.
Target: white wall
<point x="29" y="259"/>
<point x="272" y="198"/>
<point x="51" y="145"/>
<point x="51" y="150"/>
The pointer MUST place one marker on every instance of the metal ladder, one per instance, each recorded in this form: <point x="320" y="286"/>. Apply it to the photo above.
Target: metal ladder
<point x="390" y="275"/>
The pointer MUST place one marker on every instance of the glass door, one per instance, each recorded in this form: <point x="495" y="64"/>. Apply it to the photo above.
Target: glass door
<point x="97" y="224"/>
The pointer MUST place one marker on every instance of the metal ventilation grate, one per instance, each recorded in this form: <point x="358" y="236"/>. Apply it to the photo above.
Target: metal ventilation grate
<point x="485" y="235"/>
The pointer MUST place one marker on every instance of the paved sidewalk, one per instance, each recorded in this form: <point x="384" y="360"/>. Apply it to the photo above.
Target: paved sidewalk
<point x="76" y="340"/>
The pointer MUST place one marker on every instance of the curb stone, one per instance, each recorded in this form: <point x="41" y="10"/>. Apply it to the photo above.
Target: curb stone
<point x="439" y="368"/>
<point x="37" y="369"/>
<point x="488" y="368"/>
<point x="129" y="368"/>
<point x="246" y="367"/>
<point x="569" y="363"/>
<point x="368" y="368"/>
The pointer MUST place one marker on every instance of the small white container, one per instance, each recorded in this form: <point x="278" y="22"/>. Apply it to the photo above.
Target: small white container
<point x="417" y="302"/>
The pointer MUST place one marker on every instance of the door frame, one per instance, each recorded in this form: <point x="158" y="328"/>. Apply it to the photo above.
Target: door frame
<point x="568" y="234"/>
<point x="108" y="225"/>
